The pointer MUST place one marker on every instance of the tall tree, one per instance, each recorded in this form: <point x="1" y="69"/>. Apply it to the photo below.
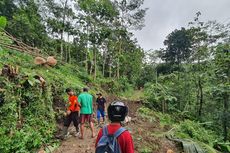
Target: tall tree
<point x="57" y="15"/>
<point x="200" y="54"/>
<point x="8" y="8"/>
<point x="130" y="17"/>
<point x="222" y="79"/>
<point x="99" y="13"/>
<point x="26" y="23"/>
<point x="178" y="46"/>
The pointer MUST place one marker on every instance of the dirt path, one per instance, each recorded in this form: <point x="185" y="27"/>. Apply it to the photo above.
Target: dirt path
<point x="140" y="129"/>
<point x="76" y="145"/>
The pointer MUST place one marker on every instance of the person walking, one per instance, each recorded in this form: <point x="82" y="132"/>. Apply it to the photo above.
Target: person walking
<point x="86" y="102"/>
<point x="72" y="114"/>
<point x="113" y="137"/>
<point x="100" y="107"/>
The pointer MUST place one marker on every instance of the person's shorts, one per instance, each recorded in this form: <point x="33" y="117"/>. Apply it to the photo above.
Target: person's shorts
<point x="73" y="116"/>
<point x="85" y="118"/>
<point x="100" y="113"/>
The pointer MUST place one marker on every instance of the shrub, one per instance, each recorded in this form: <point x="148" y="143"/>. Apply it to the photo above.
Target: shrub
<point x="3" y="22"/>
<point x="194" y="130"/>
<point x="26" y="117"/>
<point x="115" y="86"/>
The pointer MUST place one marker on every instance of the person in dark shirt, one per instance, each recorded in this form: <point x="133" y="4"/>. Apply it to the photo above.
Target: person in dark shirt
<point x="100" y="107"/>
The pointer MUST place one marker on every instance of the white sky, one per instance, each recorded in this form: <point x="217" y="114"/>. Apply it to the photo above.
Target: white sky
<point x="164" y="16"/>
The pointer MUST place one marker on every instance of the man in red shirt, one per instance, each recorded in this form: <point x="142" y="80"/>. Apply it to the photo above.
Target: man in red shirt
<point x="116" y="113"/>
<point x="72" y="114"/>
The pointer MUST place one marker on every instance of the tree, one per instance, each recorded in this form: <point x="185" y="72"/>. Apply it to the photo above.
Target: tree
<point x="131" y="16"/>
<point x="178" y="47"/>
<point x="57" y="15"/>
<point x="200" y="55"/>
<point x="96" y="11"/>
<point x="7" y="8"/>
<point x="222" y="79"/>
<point x="3" y="22"/>
<point x="26" y="24"/>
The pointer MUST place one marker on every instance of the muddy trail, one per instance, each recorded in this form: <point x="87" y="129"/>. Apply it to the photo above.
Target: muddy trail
<point x="140" y="128"/>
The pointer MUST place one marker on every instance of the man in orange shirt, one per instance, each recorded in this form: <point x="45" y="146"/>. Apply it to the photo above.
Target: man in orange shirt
<point x="72" y="113"/>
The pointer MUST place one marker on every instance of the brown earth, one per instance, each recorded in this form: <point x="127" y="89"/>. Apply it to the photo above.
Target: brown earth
<point x="141" y="129"/>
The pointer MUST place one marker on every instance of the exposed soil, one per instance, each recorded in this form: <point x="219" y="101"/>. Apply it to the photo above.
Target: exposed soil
<point x="76" y="145"/>
<point x="141" y="130"/>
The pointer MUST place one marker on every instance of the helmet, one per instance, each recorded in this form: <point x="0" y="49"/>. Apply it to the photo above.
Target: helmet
<point x="117" y="111"/>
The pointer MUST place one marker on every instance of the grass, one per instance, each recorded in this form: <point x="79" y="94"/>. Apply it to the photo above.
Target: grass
<point x="40" y="104"/>
<point x="187" y="129"/>
<point x="133" y="95"/>
<point x="68" y="75"/>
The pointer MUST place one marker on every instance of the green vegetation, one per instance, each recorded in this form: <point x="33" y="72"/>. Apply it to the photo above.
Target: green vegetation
<point x="194" y="130"/>
<point x="28" y="115"/>
<point x="104" y="48"/>
<point x="186" y="130"/>
<point x="28" y="119"/>
<point x="193" y="87"/>
<point x="184" y="87"/>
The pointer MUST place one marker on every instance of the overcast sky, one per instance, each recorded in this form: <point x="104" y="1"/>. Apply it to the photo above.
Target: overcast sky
<point x="164" y="16"/>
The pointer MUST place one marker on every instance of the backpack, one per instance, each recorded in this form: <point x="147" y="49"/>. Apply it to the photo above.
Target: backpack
<point x="108" y="142"/>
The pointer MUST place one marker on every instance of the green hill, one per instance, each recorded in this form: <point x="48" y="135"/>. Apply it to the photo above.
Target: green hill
<point x="28" y="112"/>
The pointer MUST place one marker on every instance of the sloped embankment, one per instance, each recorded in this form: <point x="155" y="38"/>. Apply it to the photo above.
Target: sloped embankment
<point x="29" y="108"/>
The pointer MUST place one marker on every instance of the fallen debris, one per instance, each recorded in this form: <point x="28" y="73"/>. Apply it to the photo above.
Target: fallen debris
<point x="169" y="151"/>
<point x="9" y="71"/>
<point x="39" y="61"/>
<point x="127" y="120"/>
<point x="50" y="61"/>
<point x="41" y="80"/>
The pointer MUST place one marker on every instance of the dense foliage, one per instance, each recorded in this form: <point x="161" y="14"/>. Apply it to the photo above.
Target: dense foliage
<point x="94" y="36"/>
<point x="27" y="117"/>
<point x="89" y="33"/>
<point x="29" y="111"/>
<point x="193" y="81"/>
<point x="188" y="80"/>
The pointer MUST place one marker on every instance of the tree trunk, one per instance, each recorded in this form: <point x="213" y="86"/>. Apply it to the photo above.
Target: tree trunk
<point x="103" y="69"/>
<point x="61" y="47"/>
<point x="95" y="62"/>
<point x="118" y="68"/>
<point x="118" y="60"/>
<point x="95" y="55"/>
<point x="200" y="91"/>
<point x="163" y="106"/>
<point x="68" y="55"/>
<point x="179" y="97"/>
<point x="91" y="68"/>
<point x="69" y="49"/>
<point x="104" y="62"/>
<point x="110" y="69"/>
<point x="200" y="97"/>
<point x="62" y="29"/>
<point x="225" y="117"/>
<point x="87" y="51"/>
